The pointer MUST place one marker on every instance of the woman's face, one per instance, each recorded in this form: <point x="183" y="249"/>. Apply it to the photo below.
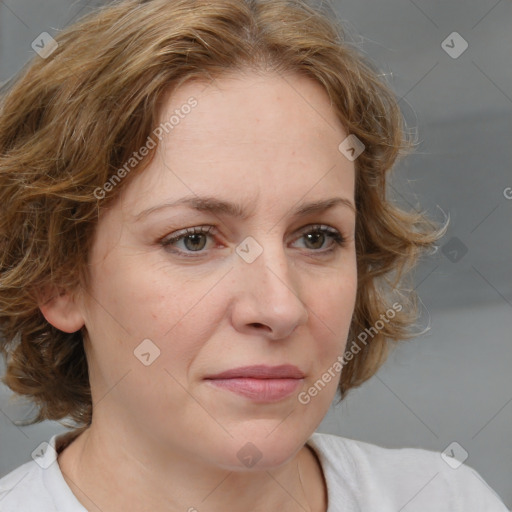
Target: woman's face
<point x="262" y="288"/>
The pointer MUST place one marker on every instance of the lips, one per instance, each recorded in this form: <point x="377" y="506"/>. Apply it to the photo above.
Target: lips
<point x="259" y="383"/>
<point x="285" y="371"/>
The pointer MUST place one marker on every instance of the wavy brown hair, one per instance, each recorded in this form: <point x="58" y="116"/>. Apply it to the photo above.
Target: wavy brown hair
<point x="71" y="120"/>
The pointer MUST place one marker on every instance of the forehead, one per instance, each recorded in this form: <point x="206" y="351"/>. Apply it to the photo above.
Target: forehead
<point x="271" y="136"/>
<point x="260" y="103"/>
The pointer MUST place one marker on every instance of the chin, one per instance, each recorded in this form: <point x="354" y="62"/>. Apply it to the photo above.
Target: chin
<point x="260" y="451"/>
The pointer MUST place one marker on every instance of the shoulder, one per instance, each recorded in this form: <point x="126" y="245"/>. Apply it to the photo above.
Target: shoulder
<point x="23" y="488"/>
<point x="38" y="485"/>
<point x="403" y="478"/>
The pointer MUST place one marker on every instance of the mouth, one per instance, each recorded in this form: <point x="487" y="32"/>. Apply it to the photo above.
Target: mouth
<point x="260" y="383"/>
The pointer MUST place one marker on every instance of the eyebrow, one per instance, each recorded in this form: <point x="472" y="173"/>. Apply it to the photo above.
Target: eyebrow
<point x="217" y="206"/>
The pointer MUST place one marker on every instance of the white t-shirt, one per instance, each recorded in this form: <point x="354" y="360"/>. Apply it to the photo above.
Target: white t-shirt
<point x="360" y="477"/>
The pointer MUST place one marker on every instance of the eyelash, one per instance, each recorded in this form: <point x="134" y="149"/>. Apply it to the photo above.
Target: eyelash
<point x="338" y="239"/>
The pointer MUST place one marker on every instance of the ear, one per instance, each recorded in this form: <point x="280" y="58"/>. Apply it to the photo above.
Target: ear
<point x="61" y="310"/>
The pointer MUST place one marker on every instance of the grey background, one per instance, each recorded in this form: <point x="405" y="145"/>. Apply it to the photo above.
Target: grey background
<point x="453" y="383"/>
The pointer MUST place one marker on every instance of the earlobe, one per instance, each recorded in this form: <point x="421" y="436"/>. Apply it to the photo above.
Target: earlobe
<point x="61" y="311"/>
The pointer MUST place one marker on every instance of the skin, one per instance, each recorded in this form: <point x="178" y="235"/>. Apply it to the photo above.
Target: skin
<point x="162" y="438"/>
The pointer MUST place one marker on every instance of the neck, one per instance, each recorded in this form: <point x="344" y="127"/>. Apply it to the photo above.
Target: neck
<point x="107" y="471"/>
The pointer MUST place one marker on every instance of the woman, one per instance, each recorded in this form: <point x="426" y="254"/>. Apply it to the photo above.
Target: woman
<point x="194" y="235"/>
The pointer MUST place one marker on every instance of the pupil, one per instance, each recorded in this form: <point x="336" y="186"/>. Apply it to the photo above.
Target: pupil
<point x="317" y="235"/>
<point x="195" y="237"/>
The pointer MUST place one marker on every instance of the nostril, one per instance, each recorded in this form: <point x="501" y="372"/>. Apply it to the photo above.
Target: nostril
<point x="261" y="326"/>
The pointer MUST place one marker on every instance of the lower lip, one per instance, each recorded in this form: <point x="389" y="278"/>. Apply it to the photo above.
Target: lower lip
<point x="259" y="390"/>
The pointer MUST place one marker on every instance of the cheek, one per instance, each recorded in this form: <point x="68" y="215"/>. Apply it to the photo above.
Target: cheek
<point x="137" y="301"/>
<point x="144" y="335"/>
<point x="133" y="300"/>
<point x="333" y="306"/>
<point x="333" y="310"/>
<point x="330" y="334"/>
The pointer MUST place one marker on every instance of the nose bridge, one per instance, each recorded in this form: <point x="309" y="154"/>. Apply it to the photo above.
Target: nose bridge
<point x="270" y="292"/>
<point x="267" y="262"/>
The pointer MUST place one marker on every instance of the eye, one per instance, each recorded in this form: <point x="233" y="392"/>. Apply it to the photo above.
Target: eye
<point x="194" y="239"/>
<point x="316" y="235"/>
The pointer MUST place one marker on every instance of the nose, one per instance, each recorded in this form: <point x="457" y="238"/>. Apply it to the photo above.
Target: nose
<point x="266" y="295"/>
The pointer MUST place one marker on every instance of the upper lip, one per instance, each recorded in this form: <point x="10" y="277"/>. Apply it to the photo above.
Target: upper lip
<point x="261" y="371"/>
